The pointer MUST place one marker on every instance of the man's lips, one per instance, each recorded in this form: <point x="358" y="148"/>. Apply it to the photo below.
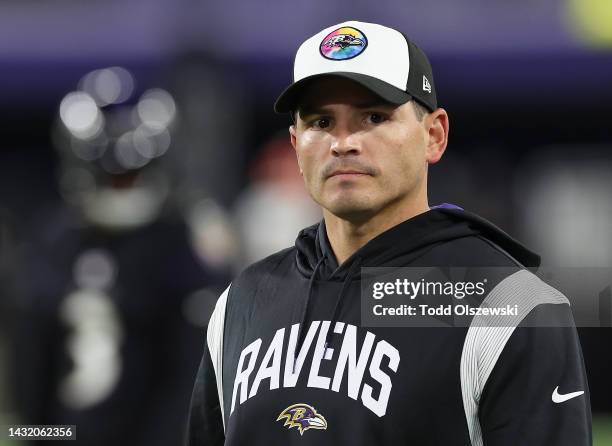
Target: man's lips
<point x="348" y="173"/>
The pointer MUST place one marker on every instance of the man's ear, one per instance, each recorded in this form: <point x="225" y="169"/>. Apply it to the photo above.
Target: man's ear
<point x="437" y="126"/>
<point x="292" y="135"/>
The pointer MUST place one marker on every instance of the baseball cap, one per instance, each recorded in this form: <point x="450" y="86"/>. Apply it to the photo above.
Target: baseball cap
<point x="379" y="58"/>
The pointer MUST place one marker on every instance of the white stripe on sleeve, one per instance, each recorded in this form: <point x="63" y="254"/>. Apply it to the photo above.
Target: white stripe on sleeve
<point x="214" y="340"/>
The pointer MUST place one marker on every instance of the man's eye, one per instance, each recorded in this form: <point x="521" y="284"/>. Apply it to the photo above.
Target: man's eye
<point x="321" y="123"/>
<point x="376" y="118"/>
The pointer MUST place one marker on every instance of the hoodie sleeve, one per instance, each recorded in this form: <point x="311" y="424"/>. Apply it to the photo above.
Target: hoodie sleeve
<point x="206" y="422"/>
<point x="537" y="392"/>
<point x="523" y="378"/>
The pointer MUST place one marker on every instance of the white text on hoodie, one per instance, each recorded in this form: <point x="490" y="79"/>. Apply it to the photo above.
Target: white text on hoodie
<point x="350" y="363"/>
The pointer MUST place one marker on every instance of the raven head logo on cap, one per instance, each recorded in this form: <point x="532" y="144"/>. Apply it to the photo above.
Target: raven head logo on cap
<point x="303" y="417"/>
<point x="342" y="40"/>
<point x="343" y="43"/>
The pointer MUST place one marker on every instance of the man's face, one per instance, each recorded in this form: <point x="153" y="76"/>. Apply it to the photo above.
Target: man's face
<point x="358" y="154"/>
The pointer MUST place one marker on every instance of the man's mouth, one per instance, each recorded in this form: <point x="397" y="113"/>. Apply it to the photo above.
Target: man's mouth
<point x="348" y="173"/>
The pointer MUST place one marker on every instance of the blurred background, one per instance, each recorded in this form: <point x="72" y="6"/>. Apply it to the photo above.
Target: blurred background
<point x="142" y="166"/>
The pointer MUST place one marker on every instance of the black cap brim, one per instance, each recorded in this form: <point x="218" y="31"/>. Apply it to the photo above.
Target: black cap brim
<point x="289" y="98"/>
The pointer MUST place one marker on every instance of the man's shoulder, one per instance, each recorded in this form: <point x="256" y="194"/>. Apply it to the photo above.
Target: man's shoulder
<point x="266" y="266"/>
<point x="471" y="250"/>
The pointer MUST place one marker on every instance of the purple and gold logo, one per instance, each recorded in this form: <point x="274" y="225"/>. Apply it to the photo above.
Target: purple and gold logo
<point x="344" y="43"/>
<point x="303" y="417"/>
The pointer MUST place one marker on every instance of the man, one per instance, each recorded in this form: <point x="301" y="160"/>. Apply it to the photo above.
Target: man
<point x="288" y="359"/>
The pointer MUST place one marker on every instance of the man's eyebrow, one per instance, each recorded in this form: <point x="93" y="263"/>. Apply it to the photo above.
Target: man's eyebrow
<point x="375" y="104"/>
<point x="307" y="109"/>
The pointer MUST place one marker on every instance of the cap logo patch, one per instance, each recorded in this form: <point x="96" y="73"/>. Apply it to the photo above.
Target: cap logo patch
<point x="426" y="85"/>
<point x="344" y="43"/>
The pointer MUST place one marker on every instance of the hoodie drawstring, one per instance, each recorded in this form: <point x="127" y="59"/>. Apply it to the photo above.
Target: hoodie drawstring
<point x="335" y="315"/>
<point x="301" y="331"/>
<point x="347" y="280"/>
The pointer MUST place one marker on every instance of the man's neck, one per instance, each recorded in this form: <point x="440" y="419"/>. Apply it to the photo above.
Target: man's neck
<point x="347" y="236"/>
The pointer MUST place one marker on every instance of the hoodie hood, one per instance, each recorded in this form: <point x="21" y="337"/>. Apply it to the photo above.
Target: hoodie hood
<point x="404" y="242"/>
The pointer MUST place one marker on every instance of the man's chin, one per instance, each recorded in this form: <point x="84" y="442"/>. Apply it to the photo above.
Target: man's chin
<point x="352" y="210"/>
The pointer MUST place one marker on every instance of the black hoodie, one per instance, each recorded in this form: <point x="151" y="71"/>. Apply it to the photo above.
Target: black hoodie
<point x="288" y="360"/>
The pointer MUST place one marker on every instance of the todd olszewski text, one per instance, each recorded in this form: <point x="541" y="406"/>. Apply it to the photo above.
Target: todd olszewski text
<point x="444" y="310"/>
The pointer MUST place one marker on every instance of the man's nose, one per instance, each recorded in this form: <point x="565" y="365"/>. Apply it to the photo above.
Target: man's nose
<point x="345" y="142"/>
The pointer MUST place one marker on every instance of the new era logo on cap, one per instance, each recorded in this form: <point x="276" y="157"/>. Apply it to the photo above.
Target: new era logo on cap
<point x="379" y="58"/>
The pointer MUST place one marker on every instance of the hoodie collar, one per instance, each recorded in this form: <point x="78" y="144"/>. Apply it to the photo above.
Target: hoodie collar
<point x="441" y="223"/>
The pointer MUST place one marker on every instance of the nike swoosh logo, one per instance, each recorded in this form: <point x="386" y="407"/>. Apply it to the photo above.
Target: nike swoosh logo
<point x="558" y="398"/>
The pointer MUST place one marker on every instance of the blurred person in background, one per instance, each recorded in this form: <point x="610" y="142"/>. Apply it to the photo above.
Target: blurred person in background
<point x="104" y="337"/>
<point x="275" y="205"/>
